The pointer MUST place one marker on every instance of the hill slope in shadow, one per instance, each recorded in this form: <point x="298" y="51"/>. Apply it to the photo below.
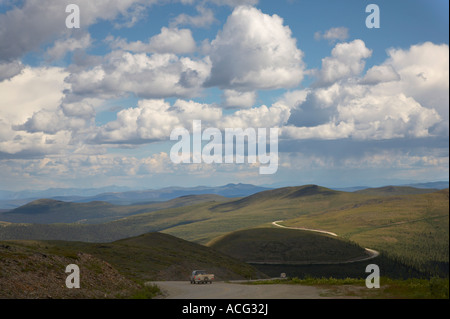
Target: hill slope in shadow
<point x="36" y="269"/>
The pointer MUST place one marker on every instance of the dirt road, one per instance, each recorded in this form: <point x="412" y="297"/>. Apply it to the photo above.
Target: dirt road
<point x="275" y="223"/>
<point x="236" y="290"/>
<point x="371" y="253"/>
<point x="225" y="290"/>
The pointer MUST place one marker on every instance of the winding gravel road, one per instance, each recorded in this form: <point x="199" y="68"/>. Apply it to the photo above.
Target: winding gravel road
<point x="237" y="290"/>
<point x="371" y="253"/>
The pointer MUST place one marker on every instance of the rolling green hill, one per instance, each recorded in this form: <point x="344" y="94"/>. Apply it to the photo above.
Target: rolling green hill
<point x="305" y="254"/>
<point x="411" y="228"/>
<point x="262" y="208"/>
<point x="395" y="191"/>
<point x="199" y="222"/>
<point x="29" y="270"/>
<point x="287" y="246"/>
<point x="36" y="269"/>
<point x="49" y="211"/>
<point x="312" y="192"/>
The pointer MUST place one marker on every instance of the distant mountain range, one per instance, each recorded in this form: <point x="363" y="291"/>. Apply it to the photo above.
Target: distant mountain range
<point x="125" y="196"/>
<point x="52" y="192"/>
<point x="49" y="211"/>
<point x="121" y="196"/>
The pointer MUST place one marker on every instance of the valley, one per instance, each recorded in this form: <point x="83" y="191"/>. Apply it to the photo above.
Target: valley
<point x="306" y="231"/>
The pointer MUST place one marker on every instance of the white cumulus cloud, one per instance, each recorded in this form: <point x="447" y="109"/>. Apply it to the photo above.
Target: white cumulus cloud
<point x="392" y="100"/>
<point x="147" y="76"/>
<point x="347" y="60"/>
<point x="255" y="51"/>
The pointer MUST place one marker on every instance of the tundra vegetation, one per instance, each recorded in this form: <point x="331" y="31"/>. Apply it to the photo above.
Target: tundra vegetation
<point x="409" y="228"/>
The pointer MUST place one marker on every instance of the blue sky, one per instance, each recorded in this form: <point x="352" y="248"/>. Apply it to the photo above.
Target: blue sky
<point x="95" y="106"/>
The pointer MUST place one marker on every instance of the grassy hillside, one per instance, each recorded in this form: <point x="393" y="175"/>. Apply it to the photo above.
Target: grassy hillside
<point x="106" y="232"/>
<point x="36" y="268"/>
<point x="29" y="270"/>
<point x="157" y="256"/>
<point x="261" y="208"/>
<point x="306" y="254"/>
<point x="151" y="256"/>
<point x="49" y="211"/>
<point x="287" y="246"/>
<point x="395" y="191"/>
<point x="199" y="222"/>
<point x="193" y="218"/>
<point x="412" y="228"/>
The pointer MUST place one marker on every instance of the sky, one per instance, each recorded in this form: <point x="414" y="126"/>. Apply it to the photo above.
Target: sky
<point x="95" y="104"/>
